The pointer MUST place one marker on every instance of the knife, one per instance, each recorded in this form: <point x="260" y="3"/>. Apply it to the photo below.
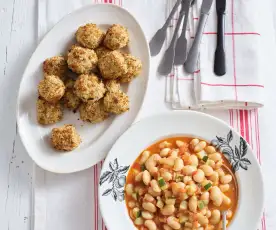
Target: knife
<point x="219" y="66"/>
<point x="167" y="61"/>
<point x="191" y="62"/>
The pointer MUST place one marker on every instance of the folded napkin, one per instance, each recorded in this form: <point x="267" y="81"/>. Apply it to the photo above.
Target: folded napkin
<point x="241" y="86"/>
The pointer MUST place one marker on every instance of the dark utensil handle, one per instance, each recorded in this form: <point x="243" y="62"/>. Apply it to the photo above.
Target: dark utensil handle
<point x="219" y="67"/>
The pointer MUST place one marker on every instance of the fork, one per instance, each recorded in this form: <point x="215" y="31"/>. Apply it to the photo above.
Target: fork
<point x="181" y="45"/>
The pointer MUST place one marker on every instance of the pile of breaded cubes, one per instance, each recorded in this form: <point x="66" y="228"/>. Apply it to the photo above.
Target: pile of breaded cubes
<point x="100" y="66"/>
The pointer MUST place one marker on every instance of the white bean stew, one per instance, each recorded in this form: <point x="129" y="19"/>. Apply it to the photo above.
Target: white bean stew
<point x="180" y="183"/>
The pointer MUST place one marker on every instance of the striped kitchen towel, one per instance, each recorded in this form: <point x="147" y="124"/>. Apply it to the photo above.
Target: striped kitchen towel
<point x="241" y="87"/>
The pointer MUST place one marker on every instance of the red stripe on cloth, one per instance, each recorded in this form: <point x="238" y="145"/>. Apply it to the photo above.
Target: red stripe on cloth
<point x="250" y="125"/>
<point x="264" y="221"/>
<point x="233" y="85"/>
<point x="258" y="136"/>
<point x="241" y="123"/>
<point x="237" y="120"/>
<point x="234" y="53"/>
<point x="95" y="217"/>
<point x="246" y="125"/>
<point x="96" y="195"/>
<point x="105" y="1"/>
<point x="196" y="18"/>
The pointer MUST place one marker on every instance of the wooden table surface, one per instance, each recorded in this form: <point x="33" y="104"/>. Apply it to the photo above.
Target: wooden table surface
<point x="18" y="39"/>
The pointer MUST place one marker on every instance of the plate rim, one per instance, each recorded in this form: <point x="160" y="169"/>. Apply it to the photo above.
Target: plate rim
<point x="172" y="113"/>
<point x="146" y="83"/>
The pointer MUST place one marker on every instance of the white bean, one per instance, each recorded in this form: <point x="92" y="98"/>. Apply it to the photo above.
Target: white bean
<point x="193" y="204"/>
<point x="178" y="164"/>
<point x="229" y="214"/>
<point x="173" y="222"/>
<point x="188" y="170"/>
<point x="167" y="176"/>
<point x="167" y="161"/>
<point x="149" y="206"/>
<point x="199" y="176"/>
<point x="200" y="146"/>
<point x="152" y="162"/>
<point x="215" y="217"/>
<point x="212" y="164"/>
<point x="214" y="177"/>
<point x="164" y="144"/>
<point x="139" y="221"/>
<point x="129" y="189"/>
<point x="191" y="189"/>
<point x="194" y="142"/>
<point x="165" y="152"/>
<point x="226" y="200"/>
<point x="194" y="160"/>
<point x="203" y="220"/>
<point x="174" y="153"/>
<point x="147" y="215"/>
<point x="210" y="149"/>
<point x="167" y="227"/>
<point x="216" y="196"/>
<point x="224" y="187"/>
<point x="208" y="213"/>
<point x="179" y="143"/>
<point x="150" y="224"/>
<point x="226" y="179"/>
<point x="220" y="172"/>
<point x="146" y="177"/>
<point x="205" y="196"/>
<point x="139" y="177"/>
<point x="208" y="170"/>
<point x="215" y="157"/>
<point x="144" y="157"/>
<point x="187" y="179"/>
<point x="168" y="209"/>
<point x="155" y="186"/>
<point x="149" y="197"/>
<point x="153" y="193"/>
<point x="131" y="204"/>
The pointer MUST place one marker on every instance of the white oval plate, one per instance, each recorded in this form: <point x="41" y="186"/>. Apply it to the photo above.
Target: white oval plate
<point x="96" y="139"/>
<point x="148" y="131"/>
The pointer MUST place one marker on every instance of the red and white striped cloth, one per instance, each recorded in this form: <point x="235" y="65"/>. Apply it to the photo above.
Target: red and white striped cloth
<point x="241" y="87"/>
<point x="70" y="202"/>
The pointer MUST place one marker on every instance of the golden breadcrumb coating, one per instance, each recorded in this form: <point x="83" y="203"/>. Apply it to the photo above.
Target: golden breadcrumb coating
<point x="134" y="67"/>
<point x="112" y="86"/>
<point x="112" y="65"/>
<point x="65" y="138"/>
<point x="70" y="100"/>
<point x="48" y="113"/>
<point x="116" y="102"/>
<point x="82" y="60"/>
<point x="56" y="65"/>
<point x="51" y="88"/>
<point x="89" y="36"/>
<point x="93" y="111"/>
<point x="89" y="87"/>
<point x="102" y="51"/>
<point x="116" y="37"/>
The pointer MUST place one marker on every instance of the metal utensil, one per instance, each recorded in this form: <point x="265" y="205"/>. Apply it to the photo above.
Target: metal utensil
<point x="166" y="64"/>
<point x="181" y="45"/>
<point x="158" y="39"/>
<point x="219" y="65"/>
<point x="191" y="62"/>
<point x="224" y="213"/>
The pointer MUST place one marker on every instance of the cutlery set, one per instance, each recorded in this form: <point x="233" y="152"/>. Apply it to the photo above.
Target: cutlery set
<point x="176" y="53"/>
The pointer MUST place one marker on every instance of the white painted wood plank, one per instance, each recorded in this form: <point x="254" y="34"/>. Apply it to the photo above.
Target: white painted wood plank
<point x="18" y="40"/>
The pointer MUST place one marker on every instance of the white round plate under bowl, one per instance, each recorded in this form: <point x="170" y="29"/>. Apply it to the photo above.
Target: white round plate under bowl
<point x="97" y="139"/>
<point x="193" y="124"/>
